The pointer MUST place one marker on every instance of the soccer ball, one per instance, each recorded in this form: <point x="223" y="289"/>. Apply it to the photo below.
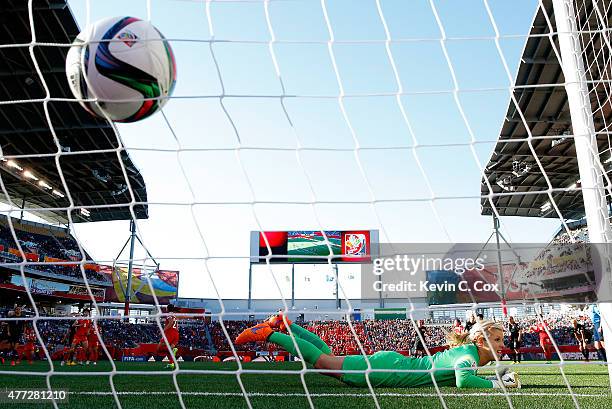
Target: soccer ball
<point x="126" y="64"/>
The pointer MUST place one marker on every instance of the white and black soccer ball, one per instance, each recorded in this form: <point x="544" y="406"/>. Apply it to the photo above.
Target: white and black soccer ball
<point x="511" y="379"/>
<point x="124" y="62"/>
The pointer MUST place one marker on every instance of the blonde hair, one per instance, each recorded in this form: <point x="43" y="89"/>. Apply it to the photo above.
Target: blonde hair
<point x="479" y="329"/>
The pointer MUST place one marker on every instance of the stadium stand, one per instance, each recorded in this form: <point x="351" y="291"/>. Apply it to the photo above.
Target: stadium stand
<point x="198" y="337"/>
<point x="578" y="233"/>
<point x="44" y="244"/>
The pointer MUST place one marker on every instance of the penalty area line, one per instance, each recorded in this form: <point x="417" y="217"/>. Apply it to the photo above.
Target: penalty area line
<point x="337" y="395"/>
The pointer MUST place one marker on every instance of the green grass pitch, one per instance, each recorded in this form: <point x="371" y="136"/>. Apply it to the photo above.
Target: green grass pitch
<point x="543" y="387"/>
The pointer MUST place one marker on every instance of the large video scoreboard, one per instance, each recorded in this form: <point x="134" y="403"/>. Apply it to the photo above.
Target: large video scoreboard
<point x="314" y="246"/>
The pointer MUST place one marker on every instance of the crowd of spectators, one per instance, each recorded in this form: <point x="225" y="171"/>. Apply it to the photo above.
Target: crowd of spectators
<point x="42" y="245"/>
<point x="579" y="235"/>
<point x="559" y="324"/>
<point x="391" y="335"/>
<point x="122" y="334"/>
<point x="341" y="338"/>
<point x="558" y="259"/>
<point x="194" y="337"/>
<point x="373" y="335"/>
<point x="233" y="328"/>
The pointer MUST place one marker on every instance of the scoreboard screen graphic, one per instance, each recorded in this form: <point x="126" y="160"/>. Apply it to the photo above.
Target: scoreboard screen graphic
<point x="312" y="246"/>
<point x="312" y="243"/>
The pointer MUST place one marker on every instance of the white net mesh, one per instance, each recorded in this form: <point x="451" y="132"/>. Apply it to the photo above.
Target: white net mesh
<point x="318" y="118"/>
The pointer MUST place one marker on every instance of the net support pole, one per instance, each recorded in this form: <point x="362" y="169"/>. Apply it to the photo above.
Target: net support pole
<point x="292" y="285"/>
<point x="128" y="286"/>
<point x="381" y="302"/>
<point x="23" y="201"/>
<point x="250" y="299"/>
<point x="500" y="266"/>
<point x="587" y="153"/>
<point x="338" y="301"/>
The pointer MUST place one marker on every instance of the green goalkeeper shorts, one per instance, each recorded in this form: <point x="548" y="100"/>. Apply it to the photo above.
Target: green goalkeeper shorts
<point x="391" y="360"/>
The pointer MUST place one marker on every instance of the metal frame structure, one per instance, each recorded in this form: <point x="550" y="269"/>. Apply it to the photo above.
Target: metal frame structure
<point x="334" y="267"/>
<point x="539" y="126"/>
<point x="53" y="137"/>
<point x="587" y="151"/>
<point x="132" y="241"/>
<point x="554" y="109"/>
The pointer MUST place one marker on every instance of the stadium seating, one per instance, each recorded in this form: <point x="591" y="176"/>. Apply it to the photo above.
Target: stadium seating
<point x="51" y="248"/>
<point x="373" y="335"/>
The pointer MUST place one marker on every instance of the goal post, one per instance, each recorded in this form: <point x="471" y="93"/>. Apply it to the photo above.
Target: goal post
<point x="587" y="151"/>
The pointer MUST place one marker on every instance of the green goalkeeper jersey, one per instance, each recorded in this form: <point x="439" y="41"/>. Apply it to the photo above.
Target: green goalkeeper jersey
<point x="453" y="367"/>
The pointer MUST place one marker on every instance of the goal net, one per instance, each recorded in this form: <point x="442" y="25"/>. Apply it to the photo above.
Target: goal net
<point x="384" y="172"/>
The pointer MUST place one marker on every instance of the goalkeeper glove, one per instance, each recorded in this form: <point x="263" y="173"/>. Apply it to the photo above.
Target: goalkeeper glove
<point x="508" y="380"/>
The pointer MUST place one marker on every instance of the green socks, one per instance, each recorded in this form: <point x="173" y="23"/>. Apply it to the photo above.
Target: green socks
<point x="309" y="344"/>
<point x="310" y="353"/>
<point x="310" y="337"/>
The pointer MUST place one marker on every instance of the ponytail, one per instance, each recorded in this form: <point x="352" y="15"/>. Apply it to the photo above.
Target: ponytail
<point x="454" y="339"/>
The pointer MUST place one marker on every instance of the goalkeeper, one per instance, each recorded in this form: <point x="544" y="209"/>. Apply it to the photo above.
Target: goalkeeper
<point x="454" y="367"/>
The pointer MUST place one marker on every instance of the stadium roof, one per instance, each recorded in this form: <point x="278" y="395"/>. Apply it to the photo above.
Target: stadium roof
<point x="542" y="99"/>
<point x="92" y="178"/>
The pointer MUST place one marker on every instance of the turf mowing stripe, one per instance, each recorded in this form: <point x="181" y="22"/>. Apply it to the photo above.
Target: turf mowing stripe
<point x="340" y="395"/>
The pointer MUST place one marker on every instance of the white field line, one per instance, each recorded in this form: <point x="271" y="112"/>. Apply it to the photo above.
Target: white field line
<point x="336" y="395"/>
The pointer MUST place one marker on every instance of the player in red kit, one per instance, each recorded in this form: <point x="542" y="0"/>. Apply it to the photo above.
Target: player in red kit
<point x="28" y="349"/>
<point x="67" y="342"/>
<point x="93" y="345"/>
<point x="79" y="342"/>
<point x="457" y="327"/>
<point x="545" y="342"/>
<point x="171" y="333"/>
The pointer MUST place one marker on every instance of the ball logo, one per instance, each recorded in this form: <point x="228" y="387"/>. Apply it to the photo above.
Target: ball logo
<point x="355" y="244"/>
<point x="128" y="38"/>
